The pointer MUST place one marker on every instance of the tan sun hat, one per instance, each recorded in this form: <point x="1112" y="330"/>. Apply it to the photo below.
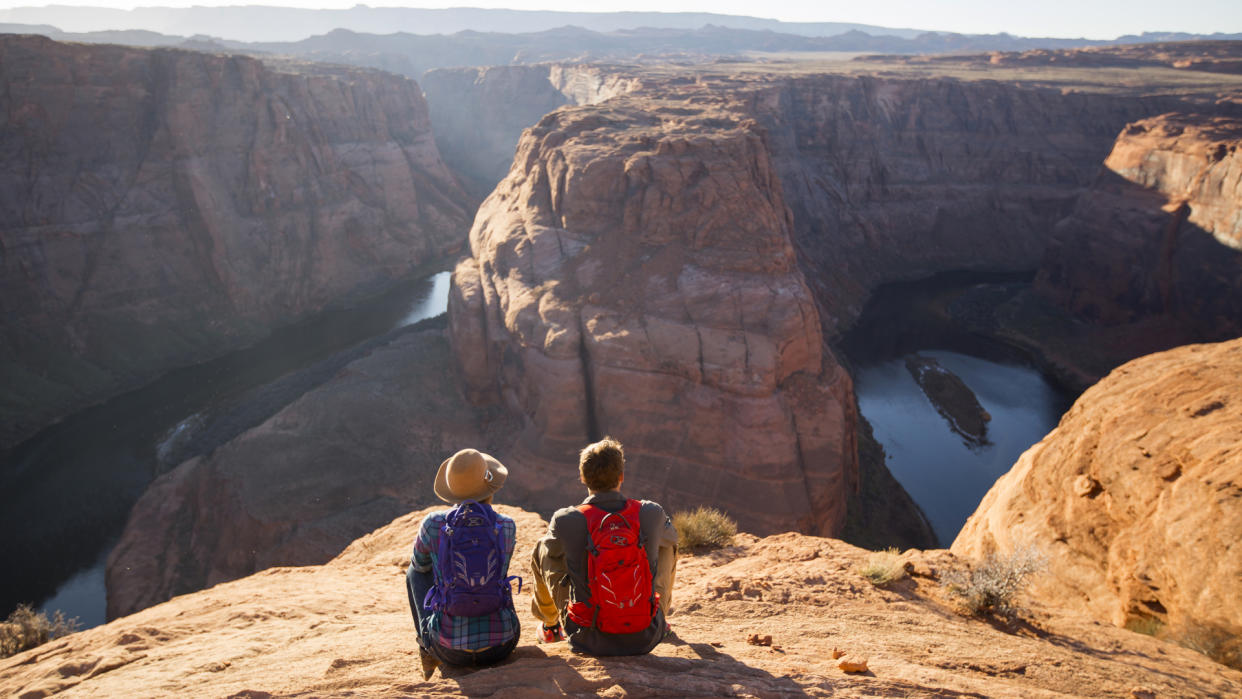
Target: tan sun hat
<point x="469" y="475"/>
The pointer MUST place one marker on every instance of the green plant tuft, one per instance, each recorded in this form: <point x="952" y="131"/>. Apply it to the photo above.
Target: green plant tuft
<point x="992" y="586"/>
<point x="704" y="528"/>
<point x="1146" y="625"/>
<point x="26" y="628"/>
<point x="884" y="567"/>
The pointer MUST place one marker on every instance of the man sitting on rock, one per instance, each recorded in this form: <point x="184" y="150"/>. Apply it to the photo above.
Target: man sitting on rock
<point x="604" y="570"/>
<point x="458" y="580"/>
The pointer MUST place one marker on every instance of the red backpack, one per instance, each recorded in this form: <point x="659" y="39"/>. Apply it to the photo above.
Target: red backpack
<point x="623" y="599"/>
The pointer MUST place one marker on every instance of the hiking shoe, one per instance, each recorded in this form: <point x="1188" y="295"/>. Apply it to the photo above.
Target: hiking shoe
<point x="551" y="634"/>
<point x="429" y="661"/>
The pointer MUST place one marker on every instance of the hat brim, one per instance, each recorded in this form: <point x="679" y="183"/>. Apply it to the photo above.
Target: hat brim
<point x="498" y="475"/>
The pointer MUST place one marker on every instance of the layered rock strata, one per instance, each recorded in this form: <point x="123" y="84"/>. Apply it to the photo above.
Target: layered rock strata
<point x="1160" y="233"/>
<point x="894" y="179"/>
<point x="634" y="275"/>
<point x="162" y="206"/>
<point x="345" y="628"/>
<point x="1136" y="498"/>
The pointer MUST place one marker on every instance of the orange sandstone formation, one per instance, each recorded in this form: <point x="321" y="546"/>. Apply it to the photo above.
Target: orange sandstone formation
<point x="1136" y="498"/>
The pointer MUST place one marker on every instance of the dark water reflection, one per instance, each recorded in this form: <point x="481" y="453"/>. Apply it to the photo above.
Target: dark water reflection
<point x="65" y="494"/>
<point x="946" y="477"/>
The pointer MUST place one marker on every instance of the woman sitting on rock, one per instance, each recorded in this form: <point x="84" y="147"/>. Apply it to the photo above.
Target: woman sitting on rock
<point x="458" y="580"/>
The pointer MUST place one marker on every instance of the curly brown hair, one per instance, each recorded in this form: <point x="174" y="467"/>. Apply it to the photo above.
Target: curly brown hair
<point x="602" y="464"/>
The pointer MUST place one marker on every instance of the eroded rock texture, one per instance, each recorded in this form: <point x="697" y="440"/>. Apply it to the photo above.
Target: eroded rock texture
<point x="344" y="628"/>
<point x="1160" y="233"/>
<point x="634" y="275"/>
<point x="896" y="179"/>
<point x="158" y="207"/>
<point x="1136" y="498"/>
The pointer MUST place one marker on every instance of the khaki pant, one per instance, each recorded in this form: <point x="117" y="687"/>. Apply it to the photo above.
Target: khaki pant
<point x="547" y="564"/>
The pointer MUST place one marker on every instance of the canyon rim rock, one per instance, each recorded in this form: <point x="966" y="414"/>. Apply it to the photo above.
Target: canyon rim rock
<point x="1136" y="497"/>
<point x="1157" y="241"/>
<point x="634" y="275"/>
<point x="160" y="207"/>
<point x="344" y="628"/>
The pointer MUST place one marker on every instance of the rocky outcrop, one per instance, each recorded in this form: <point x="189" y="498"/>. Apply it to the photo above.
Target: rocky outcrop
<point x="1136" y="498"/>
<point x="635" y="275"/>
<point x="341" y="460"/>
<point x="345" y="628"/>
<point x="161" y="206"/>
<point x="1160" y="233"/>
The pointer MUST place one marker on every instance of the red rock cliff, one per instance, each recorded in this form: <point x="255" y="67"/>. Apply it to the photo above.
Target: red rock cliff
<point x="634" y="275"/>
<point x="158" y="207"/>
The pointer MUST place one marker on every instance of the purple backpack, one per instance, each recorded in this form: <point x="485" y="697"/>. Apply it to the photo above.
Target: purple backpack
<point x="470" y="564"/>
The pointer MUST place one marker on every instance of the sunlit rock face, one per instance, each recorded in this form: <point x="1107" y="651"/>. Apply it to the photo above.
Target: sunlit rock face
<point x="158" y="207"/>
<point x="1135" y="499"/>
<point x="634" y="275"/>
<point x="1160" y="232"/>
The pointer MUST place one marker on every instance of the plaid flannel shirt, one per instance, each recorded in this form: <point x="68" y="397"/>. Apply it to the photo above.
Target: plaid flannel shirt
<point x="465" y="632"/>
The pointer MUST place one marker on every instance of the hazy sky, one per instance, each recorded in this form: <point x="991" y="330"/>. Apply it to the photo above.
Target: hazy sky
<point x="1096" y="19"/>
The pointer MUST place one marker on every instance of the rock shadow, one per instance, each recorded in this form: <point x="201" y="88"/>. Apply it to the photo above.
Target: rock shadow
<point x="536" y="670"/>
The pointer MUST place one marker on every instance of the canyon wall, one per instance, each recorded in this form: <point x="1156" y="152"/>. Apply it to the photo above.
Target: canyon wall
<point x="1160" y="233"/>
<point x="159" y="207"/>
<point x="1136" y="498"/>
<point x="634" y="275"/>
<point x="893" y="179"/>
<point x="582" y="308"/>
<point x="479" y="114"/>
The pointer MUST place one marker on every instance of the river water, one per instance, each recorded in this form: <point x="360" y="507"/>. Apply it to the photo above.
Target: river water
<point x="65" y="493"/>
<point x="945" y="476"/>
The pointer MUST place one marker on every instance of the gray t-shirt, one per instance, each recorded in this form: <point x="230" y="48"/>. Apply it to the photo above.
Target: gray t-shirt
<point x="569" y="528"/>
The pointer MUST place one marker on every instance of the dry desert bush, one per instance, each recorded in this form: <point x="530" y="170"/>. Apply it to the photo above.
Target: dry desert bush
<point x="884" y="567"/>
<point x="704" y="528"/>
<point x="992" y="586"/>
<point x="26" y="628"/>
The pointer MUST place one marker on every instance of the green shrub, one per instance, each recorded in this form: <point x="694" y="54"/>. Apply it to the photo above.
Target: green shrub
<point x="704" y="528"/>
<point x="26" y="628"/>
<point x="992" y="586"/>
<point x="884" y="567"/>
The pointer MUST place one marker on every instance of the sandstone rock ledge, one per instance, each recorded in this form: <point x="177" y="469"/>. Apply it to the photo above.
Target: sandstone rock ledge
<point x="343" y="628"/>
<point x="1136" y="497"/>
